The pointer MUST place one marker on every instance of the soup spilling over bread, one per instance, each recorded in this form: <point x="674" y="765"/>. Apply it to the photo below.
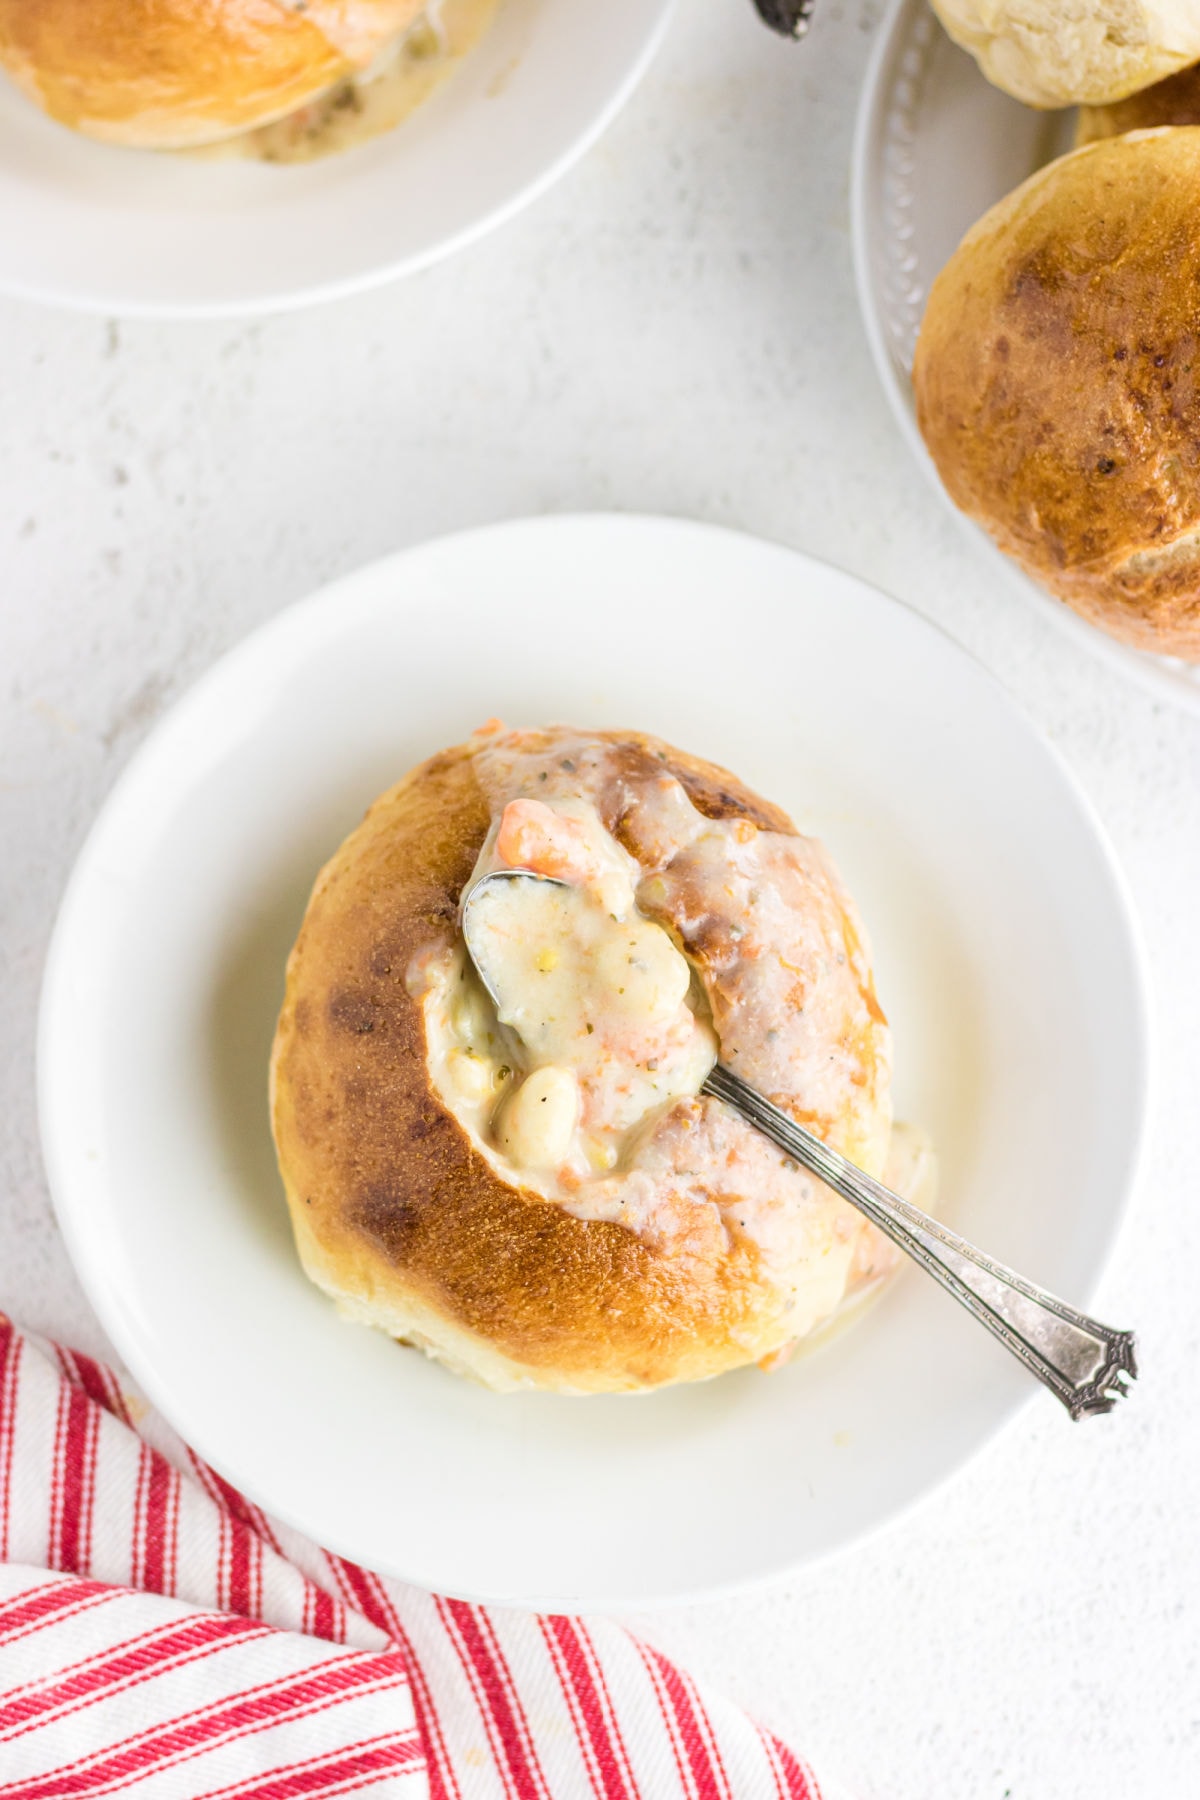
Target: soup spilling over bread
<point x="521" y="1176"/>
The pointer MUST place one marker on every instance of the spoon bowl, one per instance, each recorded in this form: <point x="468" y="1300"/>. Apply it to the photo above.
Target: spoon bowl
<point x="468" y="915"/>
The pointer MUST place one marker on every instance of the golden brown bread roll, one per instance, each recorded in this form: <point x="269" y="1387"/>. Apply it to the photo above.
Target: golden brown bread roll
<point x="165" y="74"/>
<point x="1056" y="383"/>
<point x="563" y="1211"/>
<point x="1175" y="101"/>
<point x="1066" y="52"/>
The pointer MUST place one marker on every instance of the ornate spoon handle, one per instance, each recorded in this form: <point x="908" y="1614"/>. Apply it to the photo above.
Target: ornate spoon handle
<point x="790" y="18"/>
<point x="1085" y="1363"/>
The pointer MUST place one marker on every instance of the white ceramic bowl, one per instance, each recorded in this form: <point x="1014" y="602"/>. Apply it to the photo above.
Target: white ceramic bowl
<point x="1006" y="957"/>
<point x="91" y="225"/>
<point x="936" y="146"/>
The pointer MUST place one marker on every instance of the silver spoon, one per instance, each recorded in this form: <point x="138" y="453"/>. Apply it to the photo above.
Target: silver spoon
<point x="1086" y="1364"/>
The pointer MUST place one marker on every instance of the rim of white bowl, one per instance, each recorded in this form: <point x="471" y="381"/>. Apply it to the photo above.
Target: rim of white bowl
<point x="53" y="1020"/>
<point x="122" y="306"/>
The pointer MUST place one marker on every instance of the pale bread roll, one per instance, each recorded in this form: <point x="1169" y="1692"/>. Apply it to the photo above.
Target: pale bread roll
<point x="1057" y="383"/>
<point x="1068" y="52"/>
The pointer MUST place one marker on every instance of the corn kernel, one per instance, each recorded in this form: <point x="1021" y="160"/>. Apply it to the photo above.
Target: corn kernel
<point x="601" y="1156"/>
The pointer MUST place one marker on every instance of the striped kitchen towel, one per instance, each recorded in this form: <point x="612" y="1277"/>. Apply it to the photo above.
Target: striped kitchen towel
<point x="161" y="1637"/>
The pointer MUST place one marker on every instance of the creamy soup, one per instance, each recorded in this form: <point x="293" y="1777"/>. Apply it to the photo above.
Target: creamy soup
<point x="581" y="1082"/>
<point x="400" y="79"/>
<point x="596" y="996"/>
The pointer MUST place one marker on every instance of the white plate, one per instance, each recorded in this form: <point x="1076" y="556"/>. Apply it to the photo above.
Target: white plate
<point x="936" y="146"/>
<point x="1006" y="957"/>
<point x="90" y="225"/>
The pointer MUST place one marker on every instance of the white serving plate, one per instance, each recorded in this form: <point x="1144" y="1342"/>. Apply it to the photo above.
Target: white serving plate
<point x="1006" y="956"/>
<point x="936" y="146"/>
<point x="91" y="225"/>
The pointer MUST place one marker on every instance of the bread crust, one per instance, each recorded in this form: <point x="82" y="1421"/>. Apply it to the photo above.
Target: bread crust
<point x="395" y="1210"/>
<point x="1057" y="383"/>
<point x="166" y="74"/>
<point x="1175" y="101"/>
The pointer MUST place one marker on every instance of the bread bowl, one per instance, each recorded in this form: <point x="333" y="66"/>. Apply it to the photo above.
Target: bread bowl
<point x="646" y="1236"/>
<point x="178" y="74"/>
<point x="1066" y="52"/>
<point x="1057" y="383"/>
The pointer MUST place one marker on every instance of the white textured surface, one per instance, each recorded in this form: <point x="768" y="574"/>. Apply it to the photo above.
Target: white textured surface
<point x="672" y="329"/>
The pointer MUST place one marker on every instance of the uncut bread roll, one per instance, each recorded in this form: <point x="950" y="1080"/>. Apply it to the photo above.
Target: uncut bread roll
<point x="1070" y="52"/>
<point x="1056" y="383"/>
<point x="169" y="74"/>
<point x="555" y="1207"/>
<point x="1175" y="101"/>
